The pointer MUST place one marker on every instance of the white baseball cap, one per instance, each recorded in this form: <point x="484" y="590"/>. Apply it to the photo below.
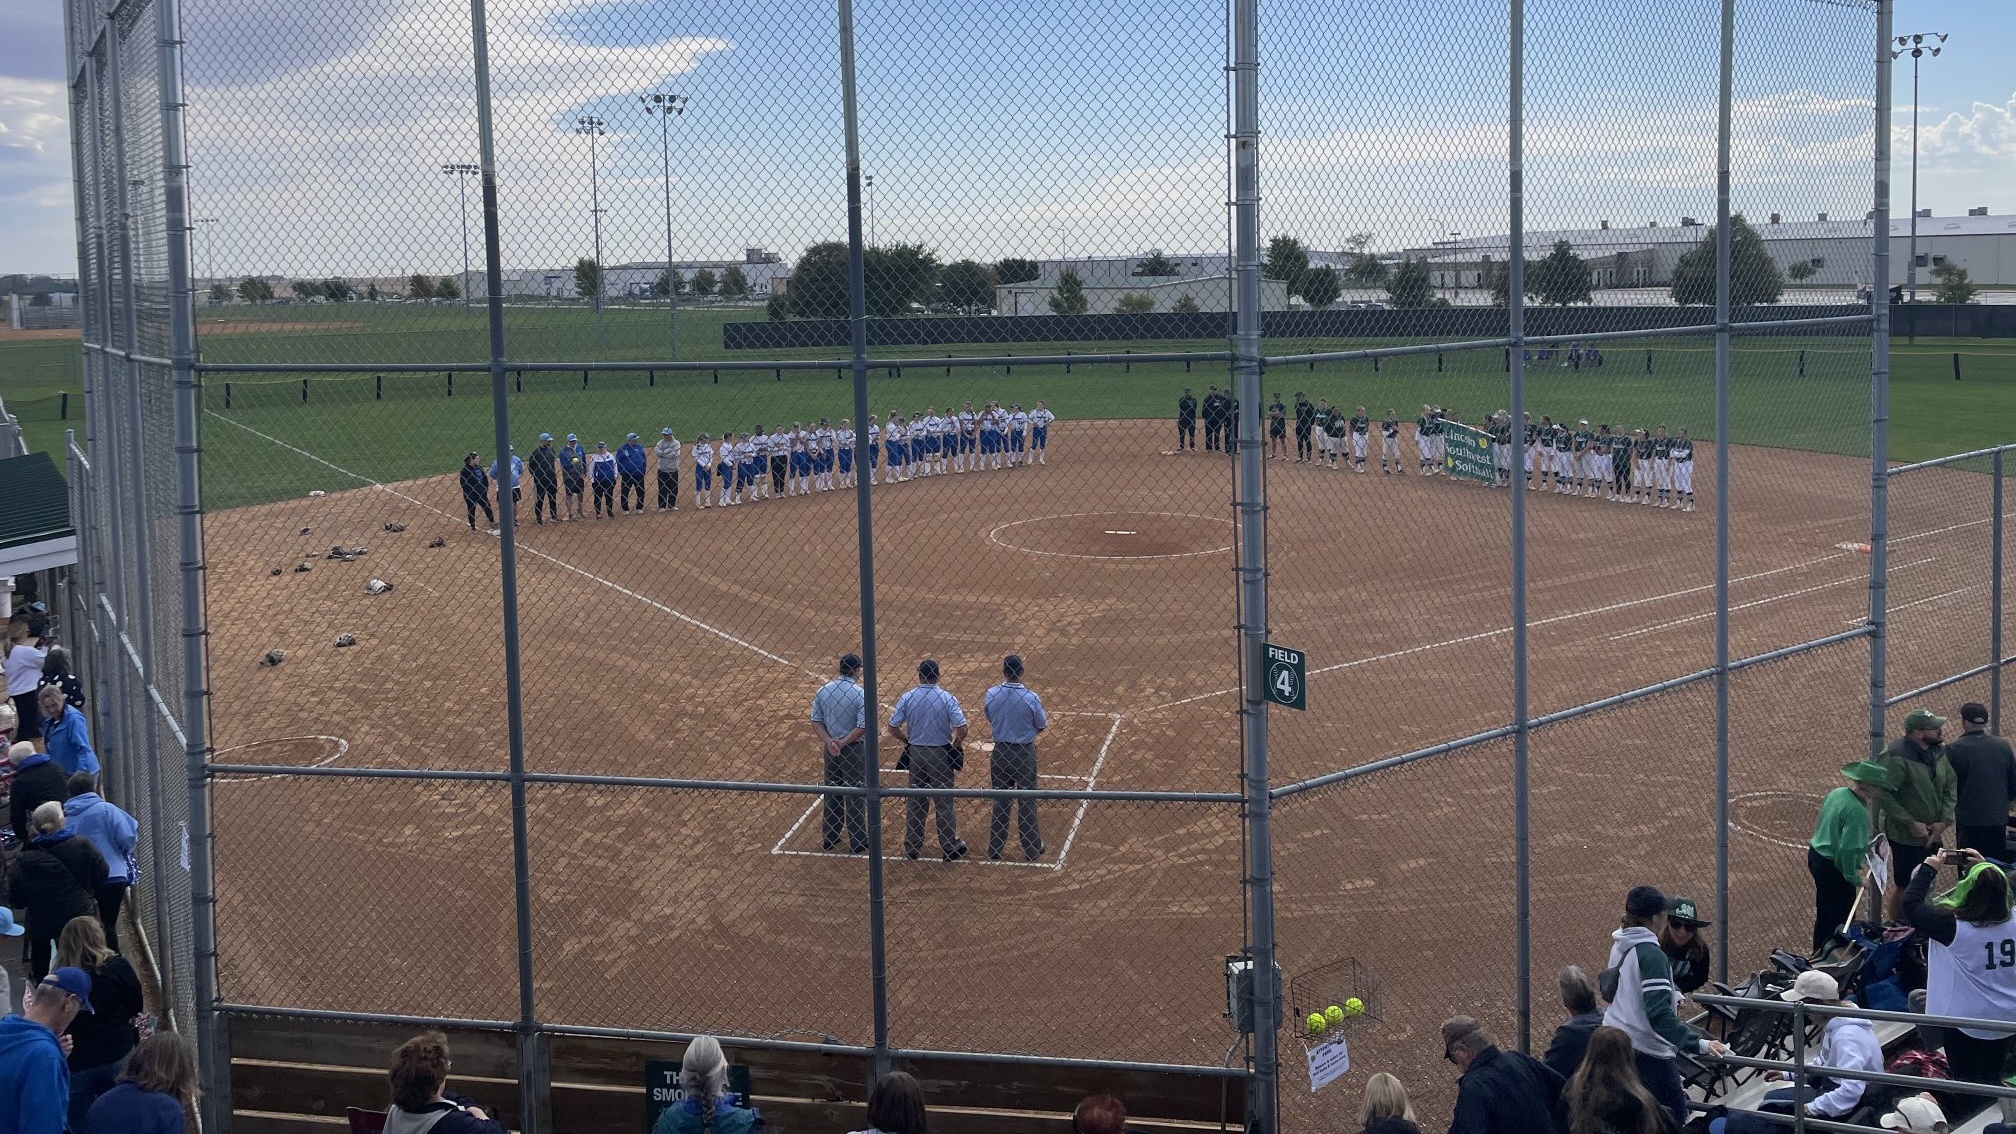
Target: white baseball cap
<point x="1812" y="985"/>
<point x="1915" y="1115"/>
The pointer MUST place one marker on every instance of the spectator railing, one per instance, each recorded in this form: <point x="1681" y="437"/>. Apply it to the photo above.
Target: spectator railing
<point x="1799" y="1070"/>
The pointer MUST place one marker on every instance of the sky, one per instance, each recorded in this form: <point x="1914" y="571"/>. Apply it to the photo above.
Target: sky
<point x="1061" y="127"/>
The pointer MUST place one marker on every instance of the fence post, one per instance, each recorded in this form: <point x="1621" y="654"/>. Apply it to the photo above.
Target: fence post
<point x="1879" y="389"/>
<point x="304" y="391"/>
<point x="227" y="395"/>
<point x="63" y="407"/>
<point x="864" y="525"/>
<point x="1067" y="363"/>
<point x="1648" y="361"/>
<point x="378" y="387"/>
<point x="533" y="1092"/>
<point x="1802" y="364"/>
<point x="584" y="379"/>
<point x="1515" y="364"/>
<point x="1438" y="362"/>
<point x="1956" y="366"/>
<point x="1799" y="1061"/>
<point x="1723" y="236"/>
<point x="651" y="377"/>
<point x="1995" y="603"/>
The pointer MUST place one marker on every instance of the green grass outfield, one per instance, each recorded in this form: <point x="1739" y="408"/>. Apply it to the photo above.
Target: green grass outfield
<point x="417" y="428"/>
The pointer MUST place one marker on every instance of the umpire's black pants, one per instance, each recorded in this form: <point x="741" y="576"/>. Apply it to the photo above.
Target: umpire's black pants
<point x="668" y="488"/>
<point x="779" y="466"/>
<point x="1014" y="766"/>
<point x="930" y="767"/>
<point x="1303" y="448"/>
<point x="545" y="498"/>
<point x="1186" y="432"/>
<point x="1212" y="429"/>
<point x="847" y="813"/>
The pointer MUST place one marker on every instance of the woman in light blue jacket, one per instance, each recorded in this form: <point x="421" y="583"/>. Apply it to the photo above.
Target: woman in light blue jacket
<point x="107" y="827"/>
<point x="65" y="735"/>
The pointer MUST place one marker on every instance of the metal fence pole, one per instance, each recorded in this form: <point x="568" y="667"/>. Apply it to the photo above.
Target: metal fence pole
<point x="1262" y="1090"/>
<point x="214" y="1058"/>
<point x="1515" y="269"/>
<point x="1995" y="602"/>
<point x="1879" y="386"/>
<point x="864" y="534"/>
<point x="533" y="1096"/>
<point x="1723" y="272"/>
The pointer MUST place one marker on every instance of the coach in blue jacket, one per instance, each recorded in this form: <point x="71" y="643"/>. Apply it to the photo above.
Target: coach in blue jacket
<point x="631" y="461"/>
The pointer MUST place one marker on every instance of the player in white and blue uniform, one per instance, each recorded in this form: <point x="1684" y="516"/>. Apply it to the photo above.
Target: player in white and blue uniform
<point x="1039" y="432"/>
<point x="797" y="462"/>
<point x="823" y="456"/>
<point x="747" y="471"/>
<point x="923" y="441"/>
<point x="894" y="439"/>
<point x="944" y="438"/>
<point x="874" y="449"/>
<point x="703" y="471"/>
<point x="965" y="440"/>
<point x="724" y="466"/>
<point x="1683" y="470"/>
<point x="843" y="443"/>
<point x="1018" y="435"/>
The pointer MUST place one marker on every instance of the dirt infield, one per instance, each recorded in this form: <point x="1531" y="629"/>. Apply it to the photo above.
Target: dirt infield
<point x="38" y="334"/>
<point x="689" y="645"/>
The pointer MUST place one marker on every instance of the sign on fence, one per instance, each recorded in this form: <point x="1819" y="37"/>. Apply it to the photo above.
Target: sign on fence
<point x="1467" y="453"/>
<point x="1286" y="677"/>
<point x="662" y="1092"/>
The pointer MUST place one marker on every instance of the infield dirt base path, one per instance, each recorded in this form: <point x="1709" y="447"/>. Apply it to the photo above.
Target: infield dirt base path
<point x="689" y="645"/>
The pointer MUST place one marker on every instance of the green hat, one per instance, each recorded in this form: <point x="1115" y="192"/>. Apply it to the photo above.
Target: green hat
<point x="1866" y="771"/>
<point x="1684" y="912"/>
<point x="1922" y="718"/>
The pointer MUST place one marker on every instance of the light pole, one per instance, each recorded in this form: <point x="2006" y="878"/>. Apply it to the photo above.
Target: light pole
<point x="593" y="127"/>
<point x="463" y="172"/>
<point x="868" y="183"/>
<point x="1917" y="46"/>
<point x="666" y="107"/>
<point x="209" y="247"/>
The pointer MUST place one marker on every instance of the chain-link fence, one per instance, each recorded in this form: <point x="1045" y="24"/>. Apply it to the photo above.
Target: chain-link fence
<point x="921" y="333"/>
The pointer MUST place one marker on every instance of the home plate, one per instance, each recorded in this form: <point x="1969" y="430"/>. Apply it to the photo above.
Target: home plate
<point x="1120" y="533"/>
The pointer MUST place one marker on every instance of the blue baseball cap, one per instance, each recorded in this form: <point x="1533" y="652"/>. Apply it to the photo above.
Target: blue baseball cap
<point x="545" y="437"/>
<point x="76" y="982"/>
<point x="632" y="437"/>
<point x="571" y="437"/>
<point x="8" y="926"/>
<point x="665" y="432"/>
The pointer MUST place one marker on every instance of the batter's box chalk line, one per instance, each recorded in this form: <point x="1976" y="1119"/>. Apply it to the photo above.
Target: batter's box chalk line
<point x="336" y="745"/>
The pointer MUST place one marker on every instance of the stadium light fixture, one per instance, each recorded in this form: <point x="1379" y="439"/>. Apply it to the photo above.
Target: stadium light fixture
<point x="593" y="127"/>
<point x="462" y="172"/>
<point x="1917" y="45"/>
<point x="666" y="106"/>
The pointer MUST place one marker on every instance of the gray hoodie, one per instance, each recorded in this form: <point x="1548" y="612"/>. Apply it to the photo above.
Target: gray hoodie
<point x="1643" y="1006"/>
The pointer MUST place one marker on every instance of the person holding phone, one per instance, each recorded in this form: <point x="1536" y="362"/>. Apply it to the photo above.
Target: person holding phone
<point x="1970" y="970"/>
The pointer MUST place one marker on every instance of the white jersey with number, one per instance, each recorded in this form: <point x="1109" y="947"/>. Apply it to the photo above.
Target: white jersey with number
<point x="1975" y="976"/>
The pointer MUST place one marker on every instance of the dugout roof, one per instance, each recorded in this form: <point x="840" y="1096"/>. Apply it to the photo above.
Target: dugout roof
<point x="35" y="528"/>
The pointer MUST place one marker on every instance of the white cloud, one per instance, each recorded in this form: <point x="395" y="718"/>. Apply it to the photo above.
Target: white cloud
<point x="35" y="194"/>
<point x="1985" y="133"/>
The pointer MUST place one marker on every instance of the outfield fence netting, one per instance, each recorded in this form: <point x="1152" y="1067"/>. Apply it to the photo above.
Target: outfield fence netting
<point x="1115" y="339"/>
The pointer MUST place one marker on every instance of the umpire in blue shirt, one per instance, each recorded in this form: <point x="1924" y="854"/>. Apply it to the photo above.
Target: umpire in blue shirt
<point x="932" y="727"/>
<point x="840" y="721"/>
<point x="1014" y="715"/>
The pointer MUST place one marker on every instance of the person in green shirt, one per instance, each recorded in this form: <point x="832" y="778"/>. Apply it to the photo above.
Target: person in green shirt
<point x="1838" y="854"/>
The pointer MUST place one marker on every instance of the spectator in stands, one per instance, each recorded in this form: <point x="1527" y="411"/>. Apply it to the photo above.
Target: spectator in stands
<point x="1848" y="1044"/>
<point x="1643" y="1004"/>
<point x="1685" y="951"/>
<point x="1985" y="770"/>
<point x="156" y="1094"/>
<point x="1585" y="1015"/>
<point x="34" y="1080"/>
<point x="65" y="736"/>
<point x="419" y="1103"/>
<point x="1915" y="808"/>
<point x="24" y="673"/>
<point x="102" y="1039"/>
<point x="1920" y="1114"/>
<point x="1099" y="1114"/>
<point x="896" y="1106"/>
<point x="10" y="723"/>
<point x="709" y="1106"/>
<point x="1386" y="1109"/>
<point x="37" y="780"/>
<point x="56" y="671"/>
<point x="1605" y="1095"/>
<point x="1972" y="919"/>
<point x="1500" y="1092"/>
<point x="55" y="880"/>
<point x="114" y="834"/>
<point x="1838" y="854"/>
<point x="476" y="491"/>
<point x="8" y="928"/>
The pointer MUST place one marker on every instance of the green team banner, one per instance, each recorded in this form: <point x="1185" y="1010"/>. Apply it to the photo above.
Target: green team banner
<point x="1466" y="453"/>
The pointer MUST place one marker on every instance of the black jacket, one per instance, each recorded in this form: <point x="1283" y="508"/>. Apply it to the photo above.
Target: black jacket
<point x="475" y="482"/>
<point x="545" y="465"/>
<point x="1626" y="1115"/>
<point x="1505" y="1092"/>
<point x="1987" y="774"/>
<point x="1390" y="1126"/>
<point x="37" y="781"/>
<point x="1571" y="1043"/>
<point x="56" y="879"/>
<point x="105" y="1033"/>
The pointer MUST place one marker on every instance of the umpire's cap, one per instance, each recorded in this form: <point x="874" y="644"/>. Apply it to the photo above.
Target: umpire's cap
<point x="850" y="663"/>
<point x="1011" y="666"/>
<point x="928" y="670"/>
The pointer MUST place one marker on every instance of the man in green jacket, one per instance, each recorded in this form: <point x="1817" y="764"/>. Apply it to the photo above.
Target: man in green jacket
<point x="1915" y="808"/>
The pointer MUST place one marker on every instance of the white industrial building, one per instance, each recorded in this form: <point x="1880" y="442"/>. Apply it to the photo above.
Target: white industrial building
<point x="1206" y="293"/>
<point x="1836" y="251"/>
<point x="634" y="280"/>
